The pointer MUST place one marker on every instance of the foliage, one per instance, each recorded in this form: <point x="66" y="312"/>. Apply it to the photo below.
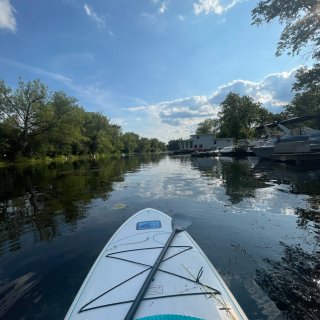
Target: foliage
<point x="208" y="126"/>
<point x="301" y="19"/>
<point x="307" y="98"/>
<point x="35" y="123"/>
<point x="173" y="145"/>
<point x="307" y="78"/>
<point x="239" y="115"/>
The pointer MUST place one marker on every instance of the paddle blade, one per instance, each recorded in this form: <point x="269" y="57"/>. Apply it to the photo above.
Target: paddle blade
<point x="180" y="222"/>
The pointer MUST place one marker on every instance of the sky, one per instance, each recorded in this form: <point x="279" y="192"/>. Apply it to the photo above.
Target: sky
<point x="154" y="67"/>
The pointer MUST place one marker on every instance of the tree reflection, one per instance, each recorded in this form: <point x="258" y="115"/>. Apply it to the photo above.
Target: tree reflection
<point x="237" y="176"/>
<point x="293" y="282"/>
<point x="304" y="180"/>
<point x="45" y="197"/>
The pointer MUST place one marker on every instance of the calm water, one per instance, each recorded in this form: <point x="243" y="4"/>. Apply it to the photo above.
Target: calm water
<point x="259" y="224"/>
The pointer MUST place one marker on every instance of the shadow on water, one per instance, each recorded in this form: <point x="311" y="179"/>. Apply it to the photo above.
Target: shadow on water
<point x="293" y="282"/>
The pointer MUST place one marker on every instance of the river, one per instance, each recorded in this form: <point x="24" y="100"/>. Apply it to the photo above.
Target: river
<point x="258" y="223"/>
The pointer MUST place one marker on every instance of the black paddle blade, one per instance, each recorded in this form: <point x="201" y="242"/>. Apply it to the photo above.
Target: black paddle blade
<point x="180" y="222"/>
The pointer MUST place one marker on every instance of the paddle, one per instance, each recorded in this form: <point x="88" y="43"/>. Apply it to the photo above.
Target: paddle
<point x="179" y="223"/>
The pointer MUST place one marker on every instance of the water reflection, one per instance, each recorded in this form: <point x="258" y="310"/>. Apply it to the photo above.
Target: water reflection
<point x="237" y="176"/>
<point x="248" y="216"/>
<point x="44" y="197"/>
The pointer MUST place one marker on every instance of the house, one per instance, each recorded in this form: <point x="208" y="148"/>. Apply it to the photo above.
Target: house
<point x="205" y="141"/>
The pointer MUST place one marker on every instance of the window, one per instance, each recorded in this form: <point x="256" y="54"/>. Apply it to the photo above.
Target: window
<point x="145" y="225"/>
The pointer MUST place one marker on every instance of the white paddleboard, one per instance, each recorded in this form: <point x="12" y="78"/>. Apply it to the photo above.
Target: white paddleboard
<point x="185" y="287"/>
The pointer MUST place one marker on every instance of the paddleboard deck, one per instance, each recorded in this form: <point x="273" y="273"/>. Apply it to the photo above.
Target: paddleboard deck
<point x="186" y="285"/>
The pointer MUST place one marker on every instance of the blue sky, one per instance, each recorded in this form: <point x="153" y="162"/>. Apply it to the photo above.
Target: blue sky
<point x="155" y="67"/>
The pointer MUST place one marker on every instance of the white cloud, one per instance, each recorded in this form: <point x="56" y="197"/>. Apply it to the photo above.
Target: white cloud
<point x="7" y="18"/>
<point x="94" y="16"/>
<point x="181" y="17"/>
<point x="214" y="6"/>
<point x="273" y="91"/>
<point x="180" y="117"/>
<point x="163" y="7"/>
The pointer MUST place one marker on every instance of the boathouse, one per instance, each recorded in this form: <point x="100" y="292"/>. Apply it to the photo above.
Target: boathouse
<point x="205" y="141"/>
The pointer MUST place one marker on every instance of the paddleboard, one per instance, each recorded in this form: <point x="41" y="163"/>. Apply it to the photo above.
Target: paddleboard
<point x="185" y="286"/>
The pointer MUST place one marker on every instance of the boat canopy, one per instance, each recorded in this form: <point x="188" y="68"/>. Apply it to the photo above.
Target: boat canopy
<point x="289" y="121"/>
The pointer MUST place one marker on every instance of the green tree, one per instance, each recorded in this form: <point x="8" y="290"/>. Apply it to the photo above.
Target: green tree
<point x="96" y="128"/>
<point x="31" y="113"/>
<point x="238" y="116"/>
<point x="208" y="126"/>
<point x="301" y="19"/>
<point x="307" y="79"/>
<point x="130" y="142"/>
<point x="26" y="109"/>
<point x="36" y="123"/>
<point x="307" y="98"/>
<point x="69" y="134"/>
<point x="144" y="145"/>
<point x="173" y="145"/>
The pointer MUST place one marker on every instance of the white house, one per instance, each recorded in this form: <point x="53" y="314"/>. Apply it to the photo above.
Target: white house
<point x="206" y="141"/>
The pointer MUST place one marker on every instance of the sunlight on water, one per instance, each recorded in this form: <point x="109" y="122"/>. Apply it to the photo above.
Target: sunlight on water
<point x="258" y="222"/>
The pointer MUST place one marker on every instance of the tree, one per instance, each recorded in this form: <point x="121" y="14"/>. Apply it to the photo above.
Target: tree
<point x="130" y="142"/>
<point x="173" y="145"/>
<point x="301" y="19"/>
<point x="25" y="109"/>
<point x="208" y="126"/>
<point x="307" y="79"/>
<point x="238" y="116"/>
<point x="144" y="145"/>
<point x="307" y="98"/>
<point x="30" y="111"/>
<point x="36" y="123"/>
<point x="305" y="103"/>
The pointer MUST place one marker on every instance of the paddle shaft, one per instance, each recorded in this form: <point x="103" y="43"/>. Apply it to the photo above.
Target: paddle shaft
<point x="150" y="277"/>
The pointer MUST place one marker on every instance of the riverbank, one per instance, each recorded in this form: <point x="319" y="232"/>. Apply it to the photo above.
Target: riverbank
<point x="71" y="158"/>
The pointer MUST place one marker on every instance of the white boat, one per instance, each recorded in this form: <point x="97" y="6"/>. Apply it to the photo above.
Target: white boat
<point x="151" y="270"/>
<point x="227" y="150"/>
<point x="299" y="140"/>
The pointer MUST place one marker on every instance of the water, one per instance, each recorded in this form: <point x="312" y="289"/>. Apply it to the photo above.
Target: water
<point x="258" y="222"/>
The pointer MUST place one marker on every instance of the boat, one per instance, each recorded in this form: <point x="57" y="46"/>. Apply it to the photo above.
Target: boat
<point x="152" y="269"/>
<point x="238" y="150"/>
<point x="206" y="153"/>
<point x="295" y="141"/>
<point x="230" y="150"/>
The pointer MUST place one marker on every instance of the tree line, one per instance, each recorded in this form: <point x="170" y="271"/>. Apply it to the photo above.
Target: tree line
<point x="36" y="123"/>
<point x="239" y="115"/>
